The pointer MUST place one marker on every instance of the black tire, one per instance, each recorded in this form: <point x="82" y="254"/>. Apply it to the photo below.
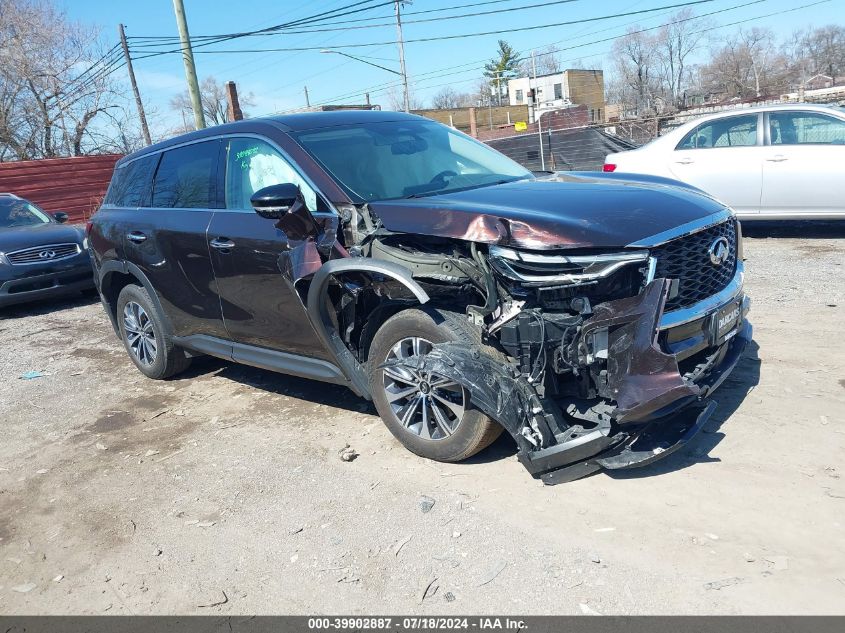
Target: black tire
<point x="474" y="431"/>
<point x="168" y="359"/>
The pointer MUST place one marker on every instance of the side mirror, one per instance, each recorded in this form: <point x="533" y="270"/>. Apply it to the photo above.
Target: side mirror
<point x="275" y="201"/>
<point x="60" y="216"/>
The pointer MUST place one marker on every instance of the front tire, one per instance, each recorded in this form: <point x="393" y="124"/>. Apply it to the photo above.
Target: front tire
<point x="430" y="415"/>
<point x="144" y="336"/>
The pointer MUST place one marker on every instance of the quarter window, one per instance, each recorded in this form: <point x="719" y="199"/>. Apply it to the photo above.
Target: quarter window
<point x="253" y="164"/>
<point x="186" y="176"/>
<point x="738" y="131"/>
<point x="805" y="128"/>
<point x="130" y="184"/>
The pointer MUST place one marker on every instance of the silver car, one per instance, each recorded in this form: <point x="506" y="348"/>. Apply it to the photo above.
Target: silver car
<point x="772" y="162"/>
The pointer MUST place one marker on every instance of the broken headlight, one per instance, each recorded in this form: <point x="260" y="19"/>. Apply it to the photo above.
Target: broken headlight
<point x="537" y="270"/>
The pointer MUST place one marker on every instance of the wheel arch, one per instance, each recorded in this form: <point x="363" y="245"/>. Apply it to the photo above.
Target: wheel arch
<point x="114" y="276"/>
<point x="321" y="319"/>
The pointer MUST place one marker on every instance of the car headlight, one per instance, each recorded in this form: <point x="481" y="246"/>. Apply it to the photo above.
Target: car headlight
<point x="541" y="269"/>
<point x="4" y="261"/>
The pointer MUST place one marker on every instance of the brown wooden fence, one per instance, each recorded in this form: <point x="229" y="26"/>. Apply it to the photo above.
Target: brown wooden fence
<point x="74" y="185"/>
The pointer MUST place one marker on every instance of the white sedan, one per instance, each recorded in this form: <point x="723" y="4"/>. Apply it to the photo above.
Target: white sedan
<point x="772" y="162"/>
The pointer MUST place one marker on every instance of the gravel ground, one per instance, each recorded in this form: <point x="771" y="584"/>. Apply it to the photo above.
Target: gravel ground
<point x="222" y="491"/>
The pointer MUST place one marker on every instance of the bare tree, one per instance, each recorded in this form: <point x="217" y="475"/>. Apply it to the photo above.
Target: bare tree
<point x="728" y="73"/>
<point x="213" y="98"/>
<point x="52" y="91"/>
<point x="546" y="61"/>
<point x="747" y="65"/>
<point x="826" y="47"/>
<point x="483" y="95"/>
<point x="397" y="102"/>
<point x="760" y="44"/>
<point x="675" y="43"/>
<point x="799" y="66"/>
<point x="636" y="70"/>
<point x="448" y="99"/>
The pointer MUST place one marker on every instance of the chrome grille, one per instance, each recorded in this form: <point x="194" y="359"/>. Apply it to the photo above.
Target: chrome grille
<point x="43" y="254"/>
<point x="687" y="259"/>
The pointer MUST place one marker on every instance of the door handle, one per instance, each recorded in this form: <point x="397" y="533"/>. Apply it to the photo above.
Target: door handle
<point x="685" y="161"/>
<point x="777" y="158"/>
<point x="221" y="243"/>
<point x="136" y="236"/>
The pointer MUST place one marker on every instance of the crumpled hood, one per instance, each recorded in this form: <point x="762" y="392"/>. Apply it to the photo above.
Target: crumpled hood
<point x="562" y="211"/>
<point x="18" y="237"/>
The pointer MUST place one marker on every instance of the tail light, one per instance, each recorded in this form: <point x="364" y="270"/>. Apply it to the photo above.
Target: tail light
<point x="85" y="242"/>
<point x="608" y="167"/>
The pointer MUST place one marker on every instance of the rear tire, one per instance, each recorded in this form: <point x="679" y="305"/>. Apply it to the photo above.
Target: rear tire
<point x="437" y="424"/>
<point x="144" y="336"/>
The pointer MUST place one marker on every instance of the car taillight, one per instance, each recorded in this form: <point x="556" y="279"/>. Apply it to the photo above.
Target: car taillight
<point x="609" y="167"/>
<point x="88" y="226"/>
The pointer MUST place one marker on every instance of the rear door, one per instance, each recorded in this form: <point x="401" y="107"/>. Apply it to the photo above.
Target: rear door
<point x="129" y="190"/>
<point x="804" y="165"/>
<point x="724" y="158"/>
<point x="167" y="238"/>
<point x="260" y="306"/>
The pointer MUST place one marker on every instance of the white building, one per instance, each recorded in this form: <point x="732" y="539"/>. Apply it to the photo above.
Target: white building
<point x="561" y="90"/>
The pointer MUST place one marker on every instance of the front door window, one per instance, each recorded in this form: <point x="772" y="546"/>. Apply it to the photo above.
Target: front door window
<point x="253" y="164"/>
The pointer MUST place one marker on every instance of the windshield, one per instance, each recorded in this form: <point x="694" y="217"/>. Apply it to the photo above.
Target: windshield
<point x="20" y="213"/>
<point x="406" y="159"/>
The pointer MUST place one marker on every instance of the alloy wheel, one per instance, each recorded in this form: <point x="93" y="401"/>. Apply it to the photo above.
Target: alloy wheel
<point x="140" y="335"/>
<point x="428" y="405"/>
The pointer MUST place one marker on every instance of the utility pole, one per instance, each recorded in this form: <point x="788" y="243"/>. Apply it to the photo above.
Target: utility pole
<point x="190" y="69"/>
<point x="401" y="44"/>
<point x="233" y="110"/>
<point x="307" y="100"/>
<point x="538" y="115"/>
<point x="144" y="128"/>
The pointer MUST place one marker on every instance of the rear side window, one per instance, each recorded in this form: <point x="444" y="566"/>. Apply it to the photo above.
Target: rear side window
<point x="186" y="177"/>
<point x="738" y="131"/>
<point x="130" y="183"/>
<point x="805" y="128"/>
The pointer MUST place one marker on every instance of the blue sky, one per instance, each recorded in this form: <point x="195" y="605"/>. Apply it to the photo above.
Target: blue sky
<point x="277" y="79"/>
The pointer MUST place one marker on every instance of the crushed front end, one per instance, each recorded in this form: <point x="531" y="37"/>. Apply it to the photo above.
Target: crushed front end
<point x="612" y="356"/>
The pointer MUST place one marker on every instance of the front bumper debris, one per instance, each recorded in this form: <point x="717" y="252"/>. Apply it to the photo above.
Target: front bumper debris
<point x="655" y="409"/>
<point x="659" y="439"/>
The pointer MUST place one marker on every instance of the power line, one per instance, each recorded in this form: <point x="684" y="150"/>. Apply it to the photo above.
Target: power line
<point x="112" y="52"/>
<point x="215" y="39"/>
<point x="580" y="34"/>
<point x="424" y="20"/>
<point x="462" y="35"/>
<point x="274" y="28"/>
<point x="356" y="20"/>
<point x="381" y="88"/>
<point x="713" y="28"/>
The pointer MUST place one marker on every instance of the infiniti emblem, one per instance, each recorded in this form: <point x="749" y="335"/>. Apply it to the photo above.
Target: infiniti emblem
<point x="47" y="254"/>
<point x="719" y="251"/>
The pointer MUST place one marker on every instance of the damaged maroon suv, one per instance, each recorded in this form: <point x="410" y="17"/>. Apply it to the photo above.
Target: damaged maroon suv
<point x="588" y="315"/>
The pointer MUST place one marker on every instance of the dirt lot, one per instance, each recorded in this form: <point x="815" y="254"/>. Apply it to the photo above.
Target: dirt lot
<point x="222" y="491"/>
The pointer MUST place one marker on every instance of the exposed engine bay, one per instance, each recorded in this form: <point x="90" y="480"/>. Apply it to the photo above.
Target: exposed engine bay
<point x="591" y="379"/>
